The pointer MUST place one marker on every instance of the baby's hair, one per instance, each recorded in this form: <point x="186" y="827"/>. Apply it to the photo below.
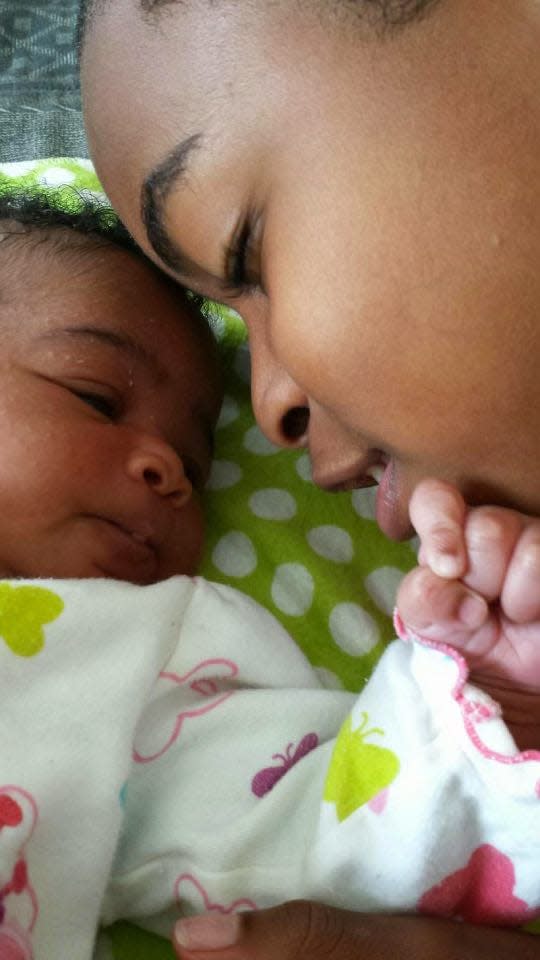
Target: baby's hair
<point x="39" y="212"/>
<point x="82" y="224"/>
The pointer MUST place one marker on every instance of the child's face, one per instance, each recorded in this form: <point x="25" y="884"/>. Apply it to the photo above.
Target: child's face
<point x="372" y="210"/>
<point x="109" y="398"/>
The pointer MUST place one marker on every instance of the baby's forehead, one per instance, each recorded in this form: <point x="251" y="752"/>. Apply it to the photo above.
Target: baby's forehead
<point x="27" y="251"/>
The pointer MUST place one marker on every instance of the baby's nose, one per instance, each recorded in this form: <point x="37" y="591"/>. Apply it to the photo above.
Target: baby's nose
<point x="157" y="465"/>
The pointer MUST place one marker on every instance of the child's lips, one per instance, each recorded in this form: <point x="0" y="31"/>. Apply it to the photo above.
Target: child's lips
<point x="381" y="470"/>
<point x="391" y="502"/>
<point x="391" y="508"/>
<point x="131" y="554"/>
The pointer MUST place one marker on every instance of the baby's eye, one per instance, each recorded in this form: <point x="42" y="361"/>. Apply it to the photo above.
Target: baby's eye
<point x="105" y="405"/>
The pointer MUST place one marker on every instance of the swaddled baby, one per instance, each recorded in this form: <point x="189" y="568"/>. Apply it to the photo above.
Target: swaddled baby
<point x="167" y="749"/>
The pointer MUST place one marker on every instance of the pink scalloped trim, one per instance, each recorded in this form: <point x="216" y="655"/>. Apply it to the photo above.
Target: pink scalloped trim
<point x="472" y="711"/>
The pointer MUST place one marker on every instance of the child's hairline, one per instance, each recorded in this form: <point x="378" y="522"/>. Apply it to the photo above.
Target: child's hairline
<point x="29" y="221"/>
<point x="37" y="216"/>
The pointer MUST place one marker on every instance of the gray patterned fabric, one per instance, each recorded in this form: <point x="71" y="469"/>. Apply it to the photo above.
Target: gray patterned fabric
<point x="40" y="107"/>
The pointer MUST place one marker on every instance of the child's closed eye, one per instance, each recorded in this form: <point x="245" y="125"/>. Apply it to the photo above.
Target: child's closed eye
<point x="106" y="405"/>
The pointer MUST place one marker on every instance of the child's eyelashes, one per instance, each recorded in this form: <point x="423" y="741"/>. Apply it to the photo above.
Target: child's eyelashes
<point x="241" y="266"/>
<point x="106" y="405"/>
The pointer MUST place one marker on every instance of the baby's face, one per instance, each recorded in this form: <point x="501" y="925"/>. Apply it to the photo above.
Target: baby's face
<point x="110" y="394"/>
<point x="370" y="207"/>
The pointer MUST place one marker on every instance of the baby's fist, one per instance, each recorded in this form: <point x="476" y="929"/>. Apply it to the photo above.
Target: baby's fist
<point x="478" y="583"/>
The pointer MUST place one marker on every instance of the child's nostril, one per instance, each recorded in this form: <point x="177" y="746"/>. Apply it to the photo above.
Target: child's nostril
<point x="152" y="477"/>
<point x="295" y="423"/>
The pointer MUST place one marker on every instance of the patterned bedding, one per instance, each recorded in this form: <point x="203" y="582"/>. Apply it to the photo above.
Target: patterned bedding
<point x="318" y="562"/>
<point x="40" y="110"/>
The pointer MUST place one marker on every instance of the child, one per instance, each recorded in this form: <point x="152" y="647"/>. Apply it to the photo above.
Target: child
<point x="361" y="181"/>
<point x="237" y="742"/>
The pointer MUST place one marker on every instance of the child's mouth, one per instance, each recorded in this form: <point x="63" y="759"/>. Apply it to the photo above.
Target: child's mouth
<point x="131" y="554"/>
<point x="391" y="507"/>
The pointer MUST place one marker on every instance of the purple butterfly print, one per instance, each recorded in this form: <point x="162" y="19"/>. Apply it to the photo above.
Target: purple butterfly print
<point x="265" y="780"/>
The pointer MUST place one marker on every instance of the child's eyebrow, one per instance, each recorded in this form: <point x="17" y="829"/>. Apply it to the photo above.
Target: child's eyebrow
<point x="120" y="341"/>
<point x="155" y="191"/>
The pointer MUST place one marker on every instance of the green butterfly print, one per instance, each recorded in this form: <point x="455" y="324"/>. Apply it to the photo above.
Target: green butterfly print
<point x="23" y="613"/>
<point x="358" y="770"/>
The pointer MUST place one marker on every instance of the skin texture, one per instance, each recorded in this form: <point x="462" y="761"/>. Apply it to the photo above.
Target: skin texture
<point x="315" y="932"/>
<point x="105" y="446"/>
<point x="405" y="256"/>
<point x="391" y="292"/>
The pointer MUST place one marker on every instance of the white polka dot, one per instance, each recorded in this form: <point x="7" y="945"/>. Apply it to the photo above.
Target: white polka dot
<point x="242" y="363"/>
<point x="56" y="177"/>
<point x="229" y="412"/>
<point x="329" y="679"/>
<point x="235" y="555"/>
<point x="223" y="474"/>
<point x="256" y="442"/>
<point x="273" y="504"/>
<point x="85" y="164"/>
<point x="292" y="589"/>
<point x="363" y="502"/>
<point x="18" y="169"/>
<point x="353" y="629"/>
<point x="303" y="467"/>
<point x="98" y="195"/>
<point x="414" y="544"/>
<point x="382" y="587"/>
<point x="331" y="542"/>
<point x="217" y="323"/>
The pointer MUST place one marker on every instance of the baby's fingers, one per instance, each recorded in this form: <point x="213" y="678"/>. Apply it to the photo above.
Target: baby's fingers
<point x="520" y="598"/>
<point x="437" y="512"/>
<point x="491" y="535"/>
<point x="439" y="609"/>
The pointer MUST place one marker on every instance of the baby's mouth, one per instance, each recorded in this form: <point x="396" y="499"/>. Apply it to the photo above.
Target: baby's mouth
<point x="143" y="538"/>
<point x="131" y="553"/>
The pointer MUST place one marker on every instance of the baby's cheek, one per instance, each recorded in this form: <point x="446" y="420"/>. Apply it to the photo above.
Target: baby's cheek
<point x="185" y="544"/>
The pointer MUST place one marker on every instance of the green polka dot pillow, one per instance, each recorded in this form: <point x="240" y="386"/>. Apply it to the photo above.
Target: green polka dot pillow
<point x="317" y="562"/>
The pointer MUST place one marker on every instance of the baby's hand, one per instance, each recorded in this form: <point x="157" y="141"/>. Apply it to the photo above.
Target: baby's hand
<point x="478" y="589"/>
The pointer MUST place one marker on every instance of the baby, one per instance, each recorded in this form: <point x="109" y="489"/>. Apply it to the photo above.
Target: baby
<point x="111" y="392"/>
<point x="172" y="719"/>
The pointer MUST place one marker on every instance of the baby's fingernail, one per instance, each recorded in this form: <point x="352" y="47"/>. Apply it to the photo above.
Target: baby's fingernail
<point x="212" y="931"/>
<point x="473" y="610"/>
<point x="446" y="565"/>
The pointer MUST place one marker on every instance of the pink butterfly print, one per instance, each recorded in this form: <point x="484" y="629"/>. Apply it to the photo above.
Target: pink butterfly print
<point x="266" y="779"/>
<point x="205" y="681"/>
<point x="187" y="887"/>
<point x="14" y="943"/>
<point x="481" y="892"/>
<point x="378" y="803"/>
<point x="18" y="901"/>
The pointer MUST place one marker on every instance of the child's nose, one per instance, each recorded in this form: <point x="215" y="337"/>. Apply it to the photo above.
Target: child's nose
<point x="281" y="407"/>
<point x="156" y="464"/>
